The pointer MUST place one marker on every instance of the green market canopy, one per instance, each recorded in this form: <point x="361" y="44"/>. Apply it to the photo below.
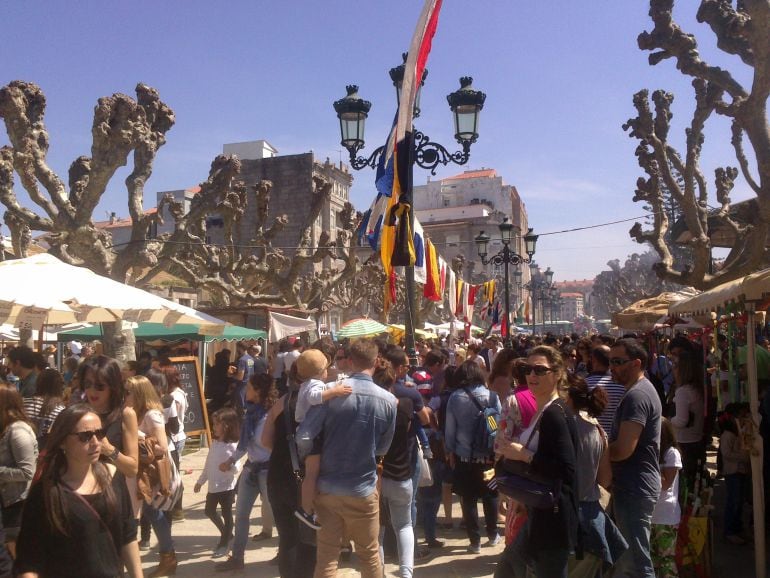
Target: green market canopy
<point x="159" y="332"/>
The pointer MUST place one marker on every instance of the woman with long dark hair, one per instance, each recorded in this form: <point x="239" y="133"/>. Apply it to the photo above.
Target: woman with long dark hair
<point x="296" y="553"/>
<point x="548" y="445"/>
<point x="18" y="458"/>
<point x="689" y="415"/>
<point x="102" y="381"/>
<point x="602" y="541"/>
<point x="78" y="521"/>
<point x="261" y="395"/>
<point x="218" y="381"/>
<point x="468" y="462"/>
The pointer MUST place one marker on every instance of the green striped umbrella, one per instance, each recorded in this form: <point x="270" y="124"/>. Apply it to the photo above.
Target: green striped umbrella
<point x="360" y="328"/>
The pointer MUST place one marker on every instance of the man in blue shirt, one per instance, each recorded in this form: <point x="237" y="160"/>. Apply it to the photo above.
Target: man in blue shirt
<point x="357" y="431"/>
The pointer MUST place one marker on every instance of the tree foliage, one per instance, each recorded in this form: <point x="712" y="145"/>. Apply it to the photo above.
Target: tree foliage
<point x="621" y="286"/>
<point x="677" y="178"/>
<point x="243" y="271"/>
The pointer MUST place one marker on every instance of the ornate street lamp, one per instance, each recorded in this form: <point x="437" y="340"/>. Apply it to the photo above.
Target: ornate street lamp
<point x="352" y="111"/>
<point x="539" y="289"/>
<point x="397" y="76"/>
<point x="465" y="103"/>
<point x="505" y="257"/>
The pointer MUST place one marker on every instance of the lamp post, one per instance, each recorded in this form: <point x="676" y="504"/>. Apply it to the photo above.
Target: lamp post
<point x="506" y="256"/>
<point x="538" y="287"/>
<point x="465" y="103"/>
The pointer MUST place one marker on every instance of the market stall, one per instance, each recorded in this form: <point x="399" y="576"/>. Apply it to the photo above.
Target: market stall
<point x="645" y="313"/>
<point x="748" y="295"/>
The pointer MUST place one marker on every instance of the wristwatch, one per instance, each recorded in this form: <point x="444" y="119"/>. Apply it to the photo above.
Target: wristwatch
<point x="114" y="455"/>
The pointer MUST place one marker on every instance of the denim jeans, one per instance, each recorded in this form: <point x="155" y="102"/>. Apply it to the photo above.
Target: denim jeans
<point x="633" y="517"/>
<point x="429" y="500"/>
<point x="735" y="486"/>
<point x="250" y="485"/>
<point x="415" y="483"/>
<point x="469" y="505"/>
<point x="397" y="498"/>
<point x="162" y="526"/>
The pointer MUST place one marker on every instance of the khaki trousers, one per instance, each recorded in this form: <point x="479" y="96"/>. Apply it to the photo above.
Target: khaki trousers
<point x="346" y="517"/>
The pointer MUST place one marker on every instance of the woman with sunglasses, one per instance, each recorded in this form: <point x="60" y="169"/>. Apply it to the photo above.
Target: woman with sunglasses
<point x="18" y="458"/>
<point x="77" y="519"/>
<point x="548" y="444"/>
<point x="101" y="380"/>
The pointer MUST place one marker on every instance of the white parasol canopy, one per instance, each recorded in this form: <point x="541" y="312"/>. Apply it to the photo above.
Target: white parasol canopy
<point x="42" y="289"/>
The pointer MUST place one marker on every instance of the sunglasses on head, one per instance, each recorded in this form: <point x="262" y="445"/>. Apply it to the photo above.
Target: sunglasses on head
<point x="85" y="436"/>
<point x="540" y="370"/>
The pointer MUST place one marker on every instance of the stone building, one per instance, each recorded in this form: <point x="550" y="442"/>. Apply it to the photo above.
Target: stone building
<point x="454" y="210"/>
<point x="571" y="306"/>
<point x="582" y="289"/>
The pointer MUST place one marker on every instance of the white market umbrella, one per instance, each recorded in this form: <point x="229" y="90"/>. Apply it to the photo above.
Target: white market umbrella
<point x="42" y="290"/>
<point x="361" y="328"/>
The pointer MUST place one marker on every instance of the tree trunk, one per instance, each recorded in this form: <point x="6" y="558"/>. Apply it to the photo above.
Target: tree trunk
<point x="25" y="338"/>
<point x="119" y="342"/>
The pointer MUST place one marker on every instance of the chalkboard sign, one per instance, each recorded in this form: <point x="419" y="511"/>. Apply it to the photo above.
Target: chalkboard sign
<point x="197" y="419"/>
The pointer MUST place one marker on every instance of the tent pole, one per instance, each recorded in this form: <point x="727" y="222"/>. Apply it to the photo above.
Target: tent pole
<point x="203" y="360"/>
<point x="756" y="451"/>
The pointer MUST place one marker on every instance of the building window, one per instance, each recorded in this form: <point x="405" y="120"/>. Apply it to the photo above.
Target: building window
<point x="452" y="240"/>
<point x="445" y="201"/>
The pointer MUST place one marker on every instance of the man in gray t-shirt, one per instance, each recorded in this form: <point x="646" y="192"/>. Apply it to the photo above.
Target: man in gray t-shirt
<point x="634" y="452"/>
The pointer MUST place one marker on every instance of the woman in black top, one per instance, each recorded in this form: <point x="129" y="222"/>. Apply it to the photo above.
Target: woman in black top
<point x="78" y="520"/>
<point x="547" y="538"/>
<point x="296" y="542"/>
<point x="218" y="381"/>
<point x="396" y="491"/>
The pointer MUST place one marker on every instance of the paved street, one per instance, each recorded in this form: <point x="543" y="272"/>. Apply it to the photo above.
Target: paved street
<point x="196" y="537"/>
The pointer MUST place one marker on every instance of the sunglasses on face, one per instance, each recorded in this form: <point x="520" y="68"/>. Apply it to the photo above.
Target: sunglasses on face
<point x="616" y="361"/>
<point x="540" y="370"/>
<point x="97" y="386"/>
<point x="85" y="436"/>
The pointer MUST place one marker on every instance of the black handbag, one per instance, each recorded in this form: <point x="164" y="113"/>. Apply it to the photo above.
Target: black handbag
<point x="518" y="480"/>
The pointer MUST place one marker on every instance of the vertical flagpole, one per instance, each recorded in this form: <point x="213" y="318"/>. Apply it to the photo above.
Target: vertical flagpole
<point x="409" y="310"/>
<point x="507" y="301"/>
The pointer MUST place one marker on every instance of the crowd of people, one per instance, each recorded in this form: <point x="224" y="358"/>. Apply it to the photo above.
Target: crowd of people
<point x="579" y="450"/>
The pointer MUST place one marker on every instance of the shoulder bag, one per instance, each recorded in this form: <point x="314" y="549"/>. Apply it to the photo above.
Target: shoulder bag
<point x="426" y="477"/>
<point x="518" y="480"/>
<point x="306" y="535"/>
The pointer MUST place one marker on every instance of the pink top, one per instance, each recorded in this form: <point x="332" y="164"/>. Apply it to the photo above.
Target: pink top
<point x="527" y="404"/>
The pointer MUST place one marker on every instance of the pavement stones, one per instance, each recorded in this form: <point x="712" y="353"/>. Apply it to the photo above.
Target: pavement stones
<point x="196" y="538"/>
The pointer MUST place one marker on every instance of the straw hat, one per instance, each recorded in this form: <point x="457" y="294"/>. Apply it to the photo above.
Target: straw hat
<point x="311" y="363"/>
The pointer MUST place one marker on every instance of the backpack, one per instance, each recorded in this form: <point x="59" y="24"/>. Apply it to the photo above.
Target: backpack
<point x="486" y="426"/>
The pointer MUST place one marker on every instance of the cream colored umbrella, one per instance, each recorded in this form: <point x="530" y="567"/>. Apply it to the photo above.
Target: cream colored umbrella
<point x="41" y="290"/>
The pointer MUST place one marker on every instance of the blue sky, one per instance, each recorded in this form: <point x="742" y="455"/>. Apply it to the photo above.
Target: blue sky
<point x="559" y="78"/>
